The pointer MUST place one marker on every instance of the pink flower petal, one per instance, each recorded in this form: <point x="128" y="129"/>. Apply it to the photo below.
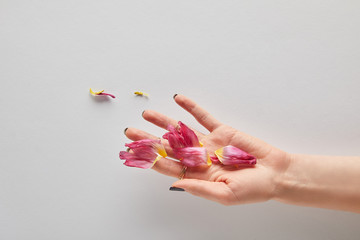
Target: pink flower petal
<point x="144" y="153"/>
<point x="132" y="160"/>
<point x="190" y="138"/>
<point x="101" y="93"/>
<point x="193" y="156"/>
<point x="106" y="94"/>
<point x="176" y="140"/>
<point x="182" y="137"/>
<point x="231" y="155"/>
<point x="186" y="146"/>
<point x="214" y="159"/>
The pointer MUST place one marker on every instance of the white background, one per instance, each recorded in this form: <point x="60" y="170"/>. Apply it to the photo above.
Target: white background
<point x="285" y="71"/>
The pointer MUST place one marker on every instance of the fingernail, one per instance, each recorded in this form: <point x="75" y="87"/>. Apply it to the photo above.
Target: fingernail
<point x="128" y="149"/>
<point x="174" y="96"/>
<point x="177" y="189"/>
<point x="142" y="114"/>
<point x="125" y="130"/>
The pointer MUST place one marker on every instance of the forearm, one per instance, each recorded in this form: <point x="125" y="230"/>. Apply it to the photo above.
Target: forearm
<point x="321" y="181"/>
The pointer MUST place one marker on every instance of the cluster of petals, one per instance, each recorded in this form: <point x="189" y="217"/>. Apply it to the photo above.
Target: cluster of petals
<point x="143" y="153"/>
<point x="186" y="147"/>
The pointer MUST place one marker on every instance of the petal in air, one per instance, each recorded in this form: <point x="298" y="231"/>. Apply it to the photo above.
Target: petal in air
<point x="231" y="155"/>
<point x="101" y="93"/>
<point x="144" y="153"/>
<point x="138" y="93"/>
<point x="193" y="156"/>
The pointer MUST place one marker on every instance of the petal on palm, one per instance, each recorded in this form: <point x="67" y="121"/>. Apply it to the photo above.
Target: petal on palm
<point x="231" y="155"/>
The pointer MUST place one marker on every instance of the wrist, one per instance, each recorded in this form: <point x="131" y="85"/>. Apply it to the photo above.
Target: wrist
<point x="285" y="180"/>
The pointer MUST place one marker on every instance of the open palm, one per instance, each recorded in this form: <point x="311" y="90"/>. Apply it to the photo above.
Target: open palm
<point x="228" y="185"/>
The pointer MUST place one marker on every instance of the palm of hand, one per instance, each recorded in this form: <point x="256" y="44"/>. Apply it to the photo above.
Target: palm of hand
<point x="225" y="184"/>
<point x="246" y="184"/>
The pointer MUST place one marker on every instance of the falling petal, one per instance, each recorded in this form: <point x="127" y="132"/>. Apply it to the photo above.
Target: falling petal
<point x="107" y="94"/>
<point x="99" y="93"/>
<point x="96" y="93"/>
<point x="231" y="155"/>
<point x="141" y="94"/>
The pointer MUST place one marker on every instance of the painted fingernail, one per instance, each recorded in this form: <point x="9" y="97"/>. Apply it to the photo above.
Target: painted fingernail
<point x="128" y="149"/>
<point x="174" y="96"/>
<point x="177" y="189"/>
<point x="125" y="130"/>
<point x="142" y="114"/>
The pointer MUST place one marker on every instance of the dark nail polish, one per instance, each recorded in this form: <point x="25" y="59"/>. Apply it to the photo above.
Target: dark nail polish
<point x="174" y="96"/>
<point x="128" y="149"/>
<point x="177" y="189"/>
<point x="125" y="130"/>
<point x="142" y="114"/>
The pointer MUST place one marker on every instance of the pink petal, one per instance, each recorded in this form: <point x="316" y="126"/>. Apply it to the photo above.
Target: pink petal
<point x="192" y="156"/>
<point x="190" y="138"/>
<point x="231" y="155"/>
<point x="143" y="143"/>
<point x="182" y="137"/>
<point x="144" y="153"/>
<point x="106" y="94"/>
<point x="176" y="140"/>
<point x="214" y="159"/>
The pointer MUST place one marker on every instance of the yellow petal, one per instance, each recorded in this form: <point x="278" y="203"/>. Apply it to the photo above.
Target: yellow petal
<point x="141" y="94"/>
<point x="219" y="154"/>
<point x="157" y="159"/>
<point x="96" y="93"/>
<point x="161" y="151"/>
<point x="209" y="162"/>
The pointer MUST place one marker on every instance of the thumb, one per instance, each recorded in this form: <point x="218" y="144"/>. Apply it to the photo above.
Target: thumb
<point x="214" y="191"/>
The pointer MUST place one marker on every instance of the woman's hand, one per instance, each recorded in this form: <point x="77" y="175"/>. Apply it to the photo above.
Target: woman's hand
<point x="225" y="184"/>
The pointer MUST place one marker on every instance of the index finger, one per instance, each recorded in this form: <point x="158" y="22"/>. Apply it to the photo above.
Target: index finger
<point x="200" y="114"/>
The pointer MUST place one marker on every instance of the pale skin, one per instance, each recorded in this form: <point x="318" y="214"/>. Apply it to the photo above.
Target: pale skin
<point x="331" y="182"/>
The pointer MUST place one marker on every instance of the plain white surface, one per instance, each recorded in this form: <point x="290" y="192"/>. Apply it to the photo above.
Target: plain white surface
<point x="285" y="71"/>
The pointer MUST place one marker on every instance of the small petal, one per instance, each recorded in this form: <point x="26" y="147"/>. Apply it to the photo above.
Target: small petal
<point x="107" y="94"/>
<point x="193" y="156"/>
<point x="138" y="93"/>
<point x="96" y="93"/>
<point x="99" y="93"/>
<point x="231" y="155"/>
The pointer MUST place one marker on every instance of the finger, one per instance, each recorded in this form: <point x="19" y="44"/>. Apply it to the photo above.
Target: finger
<point x="200" y="114"/>
<point x="162" y="121"/>
<point x="137" y="134"/>
<point x="173" y="169"/>
<point x="159" y="119"/>
<point x="168" y="167"/>
<point x="214" y="191"/>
